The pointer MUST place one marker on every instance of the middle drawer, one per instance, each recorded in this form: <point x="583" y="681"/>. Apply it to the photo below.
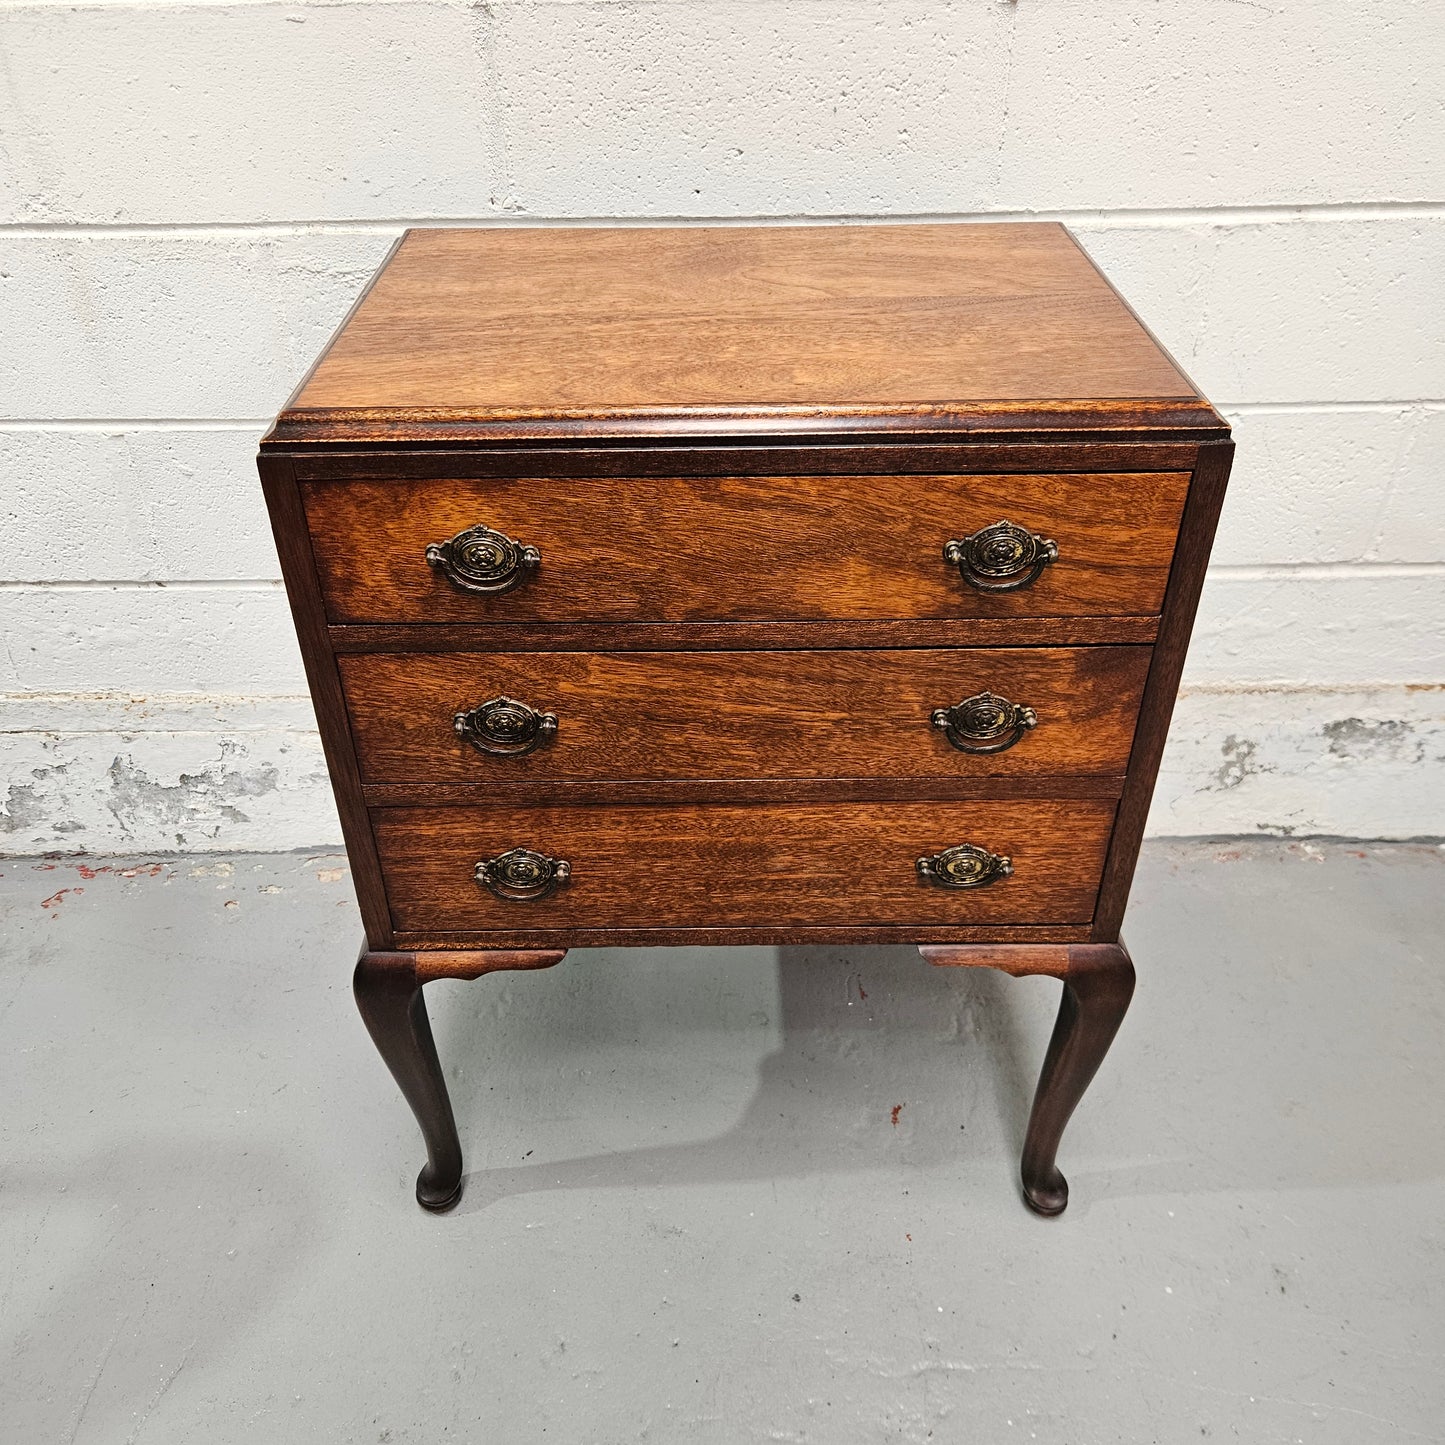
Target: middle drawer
<point x="949" y="712"/>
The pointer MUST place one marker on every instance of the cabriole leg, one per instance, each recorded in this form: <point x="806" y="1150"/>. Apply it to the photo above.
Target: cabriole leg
<point x="1098" y="981"/>
<point x="388" y="990"/>
<point x="1097" y="989"/>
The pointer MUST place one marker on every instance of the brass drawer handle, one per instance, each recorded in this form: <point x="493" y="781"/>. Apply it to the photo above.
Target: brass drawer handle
<point x="504" y="727"/>
<point x="966" y="866"/>
<point x="482" y="560"/>
<point x="1001" y="558"/>
<point x="521" y="875"/>
<point x="985" y="723"/>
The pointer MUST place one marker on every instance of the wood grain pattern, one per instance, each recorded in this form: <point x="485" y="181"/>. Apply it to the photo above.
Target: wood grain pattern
<point x="738" y="548"/>
<point x="471" y="965"/>
<point x="732" y="636"/>
<point x="837" y="456"/>
<point x="586" y="322"/>
<point x="293" y="547"/>
<point x="742" y="790"/>
<point x="742" y="715"/>
<point x="735" y="865"/>
<point x="754" y="934"/>
<point x="1186" y="581"/>
<point x="1022" y="960"/>
<point x="995" y="422"/>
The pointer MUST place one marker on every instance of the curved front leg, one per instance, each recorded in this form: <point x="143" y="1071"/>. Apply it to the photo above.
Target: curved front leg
<point x="388" y="991"/>
<point x="1098" y="984"/>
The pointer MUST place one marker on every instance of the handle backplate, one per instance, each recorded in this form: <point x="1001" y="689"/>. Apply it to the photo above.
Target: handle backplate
<point x="964" y="866"/>
<point x="520" y="875"/>
<point x="504" y="727"/>
<point x="482" y="560"/>
<point x="985" y="723"/>
<point x="1001" y="558"/>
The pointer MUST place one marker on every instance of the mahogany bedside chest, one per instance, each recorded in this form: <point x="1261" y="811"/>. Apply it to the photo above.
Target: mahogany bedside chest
<point x="780" y="584"/>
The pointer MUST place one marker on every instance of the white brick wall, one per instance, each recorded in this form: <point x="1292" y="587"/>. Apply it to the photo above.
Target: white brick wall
<point x="191" y="195"/>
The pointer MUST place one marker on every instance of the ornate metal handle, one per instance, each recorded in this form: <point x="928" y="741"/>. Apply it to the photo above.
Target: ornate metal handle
<point x="985" y="723"/>
<point x="482" y="560"/>
<point x="966" y="866"/>
<point x="1001" y="558"/>
<point x="504" y="727"/>
<point x="521" y="875"/>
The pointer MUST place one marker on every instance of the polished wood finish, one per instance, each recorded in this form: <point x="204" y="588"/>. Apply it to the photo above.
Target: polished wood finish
<point x="1206" y="496"/>
<point x="920" y="424"/>
<point x="752" y="636"/>
<point x="635" y="865"/>
<point x="1021" y="960"/>
<point x="298" y="567"/>
<point x="581" y="325"/>
<point x="1147" y="450"/>
<point x="388" y="991"/>
<point x="755" y="933"/>
<point x="740" y="451"/>
<point x="1098" y="981"/>
<point x="745" y="548"/>
<point x="780" y="715"/>
<point x="741" y="790"/>
<point x="1097" y="988"/>
<point x="469" y="964"/>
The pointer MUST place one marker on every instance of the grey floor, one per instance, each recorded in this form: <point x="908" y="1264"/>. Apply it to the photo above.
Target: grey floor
<point x="722" y="1195"/>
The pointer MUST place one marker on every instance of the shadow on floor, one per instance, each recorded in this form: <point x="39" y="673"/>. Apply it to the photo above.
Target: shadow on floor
<point x="951" y="1028"/>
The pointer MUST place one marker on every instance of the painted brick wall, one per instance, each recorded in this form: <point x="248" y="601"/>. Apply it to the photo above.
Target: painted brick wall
<point x="191" y="194"/>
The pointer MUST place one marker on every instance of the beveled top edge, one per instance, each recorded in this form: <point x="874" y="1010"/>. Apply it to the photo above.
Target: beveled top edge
<point x="1154" y="418"/>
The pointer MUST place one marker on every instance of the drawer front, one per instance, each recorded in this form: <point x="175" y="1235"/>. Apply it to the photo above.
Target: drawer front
<point x="649" y="715"/>
<point x="641" y="866"/>
<point x="740" y="548"/>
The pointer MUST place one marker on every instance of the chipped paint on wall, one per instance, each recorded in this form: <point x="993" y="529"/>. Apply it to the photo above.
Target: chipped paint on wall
<point x="1386" y="739"/>
<point x="1304" y="761"/>
<point x="1239" y="762"/>
<point x="215" y="774"/>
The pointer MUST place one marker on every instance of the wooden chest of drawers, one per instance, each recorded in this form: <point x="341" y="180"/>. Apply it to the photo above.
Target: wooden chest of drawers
<point x="745" y="584"/>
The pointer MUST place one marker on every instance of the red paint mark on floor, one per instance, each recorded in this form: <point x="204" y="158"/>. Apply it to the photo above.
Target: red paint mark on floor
<point x="862" y="992"/>
<point x="55" y="899"/>
<point x="895" y="1112"/>
<point x="86" y="871"/>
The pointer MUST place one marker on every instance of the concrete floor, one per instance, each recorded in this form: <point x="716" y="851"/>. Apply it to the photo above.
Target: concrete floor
<point x="722" y="1195"/>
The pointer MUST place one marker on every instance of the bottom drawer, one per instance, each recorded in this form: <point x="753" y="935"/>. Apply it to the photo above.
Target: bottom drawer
<point x="634" y="865"/>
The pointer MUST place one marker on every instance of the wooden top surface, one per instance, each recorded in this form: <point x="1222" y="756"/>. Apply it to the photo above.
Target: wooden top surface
<point x="511" y="332"/>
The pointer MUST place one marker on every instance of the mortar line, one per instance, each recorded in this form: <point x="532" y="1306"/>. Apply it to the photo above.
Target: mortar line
<point x="1110" y="217"/>
<point x="134" y="423"/>
<point x="1324" y="689"/>
<point x="1323" y="571"/>
<point x="136" y="584"/>
<point x="160" y="698"/>
<point x="1288" y="408"/>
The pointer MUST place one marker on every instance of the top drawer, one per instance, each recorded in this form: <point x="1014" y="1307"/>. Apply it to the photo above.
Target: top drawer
<point x="745" y="548"/>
